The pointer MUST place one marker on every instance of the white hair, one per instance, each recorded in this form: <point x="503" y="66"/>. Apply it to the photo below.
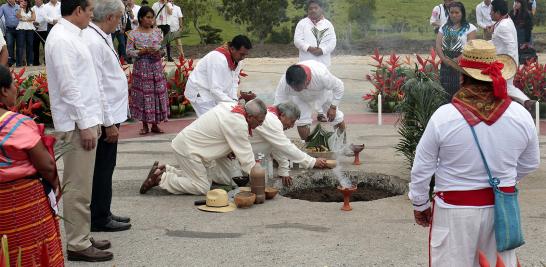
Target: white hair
<point x="290" y="110"/>
<point x="255" y="107"/>
<point x="104" y="8"/>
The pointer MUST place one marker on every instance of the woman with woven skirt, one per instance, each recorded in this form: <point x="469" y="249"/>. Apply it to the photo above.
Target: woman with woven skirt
<point x="148" y="92"/>
<point x="28" y="182"/>
<point x="450" y="41"/>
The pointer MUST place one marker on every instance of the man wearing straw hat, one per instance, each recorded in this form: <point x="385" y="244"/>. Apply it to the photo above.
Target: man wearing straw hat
<point x="463" y="212"/>
<point x="202" y="150"/>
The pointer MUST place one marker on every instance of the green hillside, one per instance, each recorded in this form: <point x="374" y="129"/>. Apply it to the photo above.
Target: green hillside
<point x="412" y="14"/>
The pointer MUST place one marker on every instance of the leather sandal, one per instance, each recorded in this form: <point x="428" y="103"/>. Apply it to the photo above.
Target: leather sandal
<point x="150" y="179"/>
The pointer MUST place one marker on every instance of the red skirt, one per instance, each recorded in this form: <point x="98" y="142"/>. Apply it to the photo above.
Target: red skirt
<point x="28" y="221"/>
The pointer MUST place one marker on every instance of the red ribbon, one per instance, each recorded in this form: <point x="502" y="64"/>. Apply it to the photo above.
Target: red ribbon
<point x="274" y="110"/>
<point x="225" y="51"/>
<point x="307" y="73"/>
<point x="493" y="70"/>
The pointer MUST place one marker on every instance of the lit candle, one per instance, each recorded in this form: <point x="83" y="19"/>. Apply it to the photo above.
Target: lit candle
<point x="537" y="117"/>
<point x="379" y="110"/>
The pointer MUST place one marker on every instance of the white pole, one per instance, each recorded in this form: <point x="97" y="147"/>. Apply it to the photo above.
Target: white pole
<point x="537" y="117"/>
<point x="379" y="110"/>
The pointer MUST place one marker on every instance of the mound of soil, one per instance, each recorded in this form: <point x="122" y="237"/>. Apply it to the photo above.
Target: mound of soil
<point x="364" y="192"/>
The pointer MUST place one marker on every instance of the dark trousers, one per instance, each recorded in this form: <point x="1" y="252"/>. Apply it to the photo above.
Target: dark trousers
<point x="165" y="29"/>
<point x="24" y="44"/>
<point x="11" y="37"/>
<point x="122" y="42"/>
<point x="38" y="36"/>
<point x="105" y="163"/>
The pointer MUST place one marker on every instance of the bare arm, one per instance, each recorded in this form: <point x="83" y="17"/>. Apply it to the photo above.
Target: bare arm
<point x="44" y="163"/>
<point x="4" y="56"/>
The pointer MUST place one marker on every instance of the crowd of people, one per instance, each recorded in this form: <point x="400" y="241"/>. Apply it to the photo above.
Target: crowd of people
<point x="26" y="24"/>
<point x="484" y="121"/>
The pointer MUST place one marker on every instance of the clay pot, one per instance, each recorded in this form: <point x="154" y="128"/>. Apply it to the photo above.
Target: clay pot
<point x="257" y="183"/>
<point x="244" y="189"/>
<point x="245" y="200"/>
<point x="270" y="192"/>
<point x="331" y="163"/>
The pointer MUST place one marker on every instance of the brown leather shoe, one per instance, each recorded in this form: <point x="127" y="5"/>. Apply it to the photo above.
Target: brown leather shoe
<point x="100" y="244"/>
<point x="90" y="254"/>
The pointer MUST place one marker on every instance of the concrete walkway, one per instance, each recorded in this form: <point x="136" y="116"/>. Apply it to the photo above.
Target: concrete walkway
<point x="169" y="231"/>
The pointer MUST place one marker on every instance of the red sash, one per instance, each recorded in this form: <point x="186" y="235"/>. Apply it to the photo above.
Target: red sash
<point x="475" y="198"/>
<point x="307" y="73"/>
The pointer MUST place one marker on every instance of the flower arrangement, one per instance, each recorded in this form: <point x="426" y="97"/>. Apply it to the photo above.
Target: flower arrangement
<point x="33" y="98"/>
<point x="391" y="74"/>
<point x="531" y="79"/>
<point x="176" y="85"/>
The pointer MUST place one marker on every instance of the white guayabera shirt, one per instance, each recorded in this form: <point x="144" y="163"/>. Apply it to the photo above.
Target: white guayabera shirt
<point x="304" y="38"/>
<point x="73" y="86"/>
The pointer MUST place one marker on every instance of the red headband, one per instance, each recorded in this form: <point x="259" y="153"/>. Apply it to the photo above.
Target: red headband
<point x="493" y="70"/>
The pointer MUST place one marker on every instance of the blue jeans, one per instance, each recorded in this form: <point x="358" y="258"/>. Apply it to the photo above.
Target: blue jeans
<point x="24" y="43"/>
<point x="10" y="41"/>
<point x="122" y="42"/>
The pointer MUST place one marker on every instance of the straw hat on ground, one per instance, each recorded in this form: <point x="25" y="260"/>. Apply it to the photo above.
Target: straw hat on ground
<point x="481" y="51"/>
<point x="217" y="201"/>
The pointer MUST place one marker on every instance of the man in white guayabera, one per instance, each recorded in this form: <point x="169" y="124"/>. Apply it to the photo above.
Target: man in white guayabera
<point x="311" y="86"/>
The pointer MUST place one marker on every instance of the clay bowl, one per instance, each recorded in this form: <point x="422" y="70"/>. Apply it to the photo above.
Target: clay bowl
<point x="270" y="192"/>
<point x="244" y="200"/>
<point x="247" y="96"/>
<point x="245" y="189"/>
<point x="331" y="163"/>
<point x="241" y="181"/>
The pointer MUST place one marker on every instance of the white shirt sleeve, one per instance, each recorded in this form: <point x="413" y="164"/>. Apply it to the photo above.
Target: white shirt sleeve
<point x="328" y="43"/>
<point x="281" y="94"/>
<point x="424" y="166"/>
<point x="479" y="17"/>
<point x="333" y="83"/>
<point x="299" y="37"/>
<point x="529" y="160"/>
<point x="237" y="139"/>
<point x="2" y="40"/>
<point x="435" y="16"/>
<point x="99" y="60"/>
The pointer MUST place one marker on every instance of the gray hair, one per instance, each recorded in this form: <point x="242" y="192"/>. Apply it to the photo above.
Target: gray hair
<point x="290" y="110"/>
<point x="104" y="8"/>
<point x="256" y="107"/>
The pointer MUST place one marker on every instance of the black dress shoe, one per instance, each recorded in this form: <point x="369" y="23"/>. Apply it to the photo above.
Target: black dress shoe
<point x="121" y="218"/>
<point x="111" y="226"/>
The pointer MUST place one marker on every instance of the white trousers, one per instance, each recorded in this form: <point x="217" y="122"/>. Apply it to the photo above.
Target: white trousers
<point x="321" y="104"/>
<point x="195" y="177"/>
<point x="515" y="92"/>
<point x="201" y="108"/>
<point x="458" y="234"/>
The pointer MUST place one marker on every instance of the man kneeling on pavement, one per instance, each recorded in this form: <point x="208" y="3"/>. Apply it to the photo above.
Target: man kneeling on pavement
<point x="202" y="150"/>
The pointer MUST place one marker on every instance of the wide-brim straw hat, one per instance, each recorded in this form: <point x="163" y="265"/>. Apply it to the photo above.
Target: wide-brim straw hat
<point x="217" y="201"/>
<point x="485" y="52"/>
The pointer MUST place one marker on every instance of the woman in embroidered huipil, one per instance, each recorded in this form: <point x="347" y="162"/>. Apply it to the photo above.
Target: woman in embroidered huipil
<point x="148" y="92"/>
<point x="450" y="41"/>
<point x="27" y="172"/>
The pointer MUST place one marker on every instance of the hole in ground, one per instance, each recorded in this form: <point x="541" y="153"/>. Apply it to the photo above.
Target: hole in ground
<point x="364" y="192"/>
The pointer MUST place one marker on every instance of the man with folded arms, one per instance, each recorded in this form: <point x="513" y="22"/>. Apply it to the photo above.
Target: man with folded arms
<point x="202" y="150"/>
